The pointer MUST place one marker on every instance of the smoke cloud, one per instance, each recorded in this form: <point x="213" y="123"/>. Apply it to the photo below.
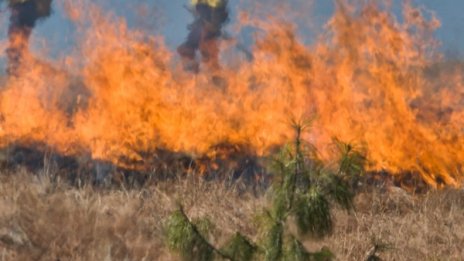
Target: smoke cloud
<point x="204" y="34"/>
<point x="24" y="17"/>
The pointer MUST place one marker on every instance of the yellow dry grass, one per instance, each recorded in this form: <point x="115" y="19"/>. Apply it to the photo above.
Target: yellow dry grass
<point x="45" y="220"/>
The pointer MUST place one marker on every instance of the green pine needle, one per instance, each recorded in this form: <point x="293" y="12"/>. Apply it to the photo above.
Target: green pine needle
<point x="340" y="191"/>
<point x="204" y="226"/>
<point x="296" y="251"/>
<point x="183" y="237"/>
<point x="280" y="204"/>
<point x="323" y="255"/>
<point x="239" y="248"/>
<point x="274" y="243"/>
<point x="351" y="161"/>
<point x="312" y="214"/>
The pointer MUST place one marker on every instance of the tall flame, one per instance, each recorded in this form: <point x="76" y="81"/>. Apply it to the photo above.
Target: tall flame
<point x="369" y="79"/>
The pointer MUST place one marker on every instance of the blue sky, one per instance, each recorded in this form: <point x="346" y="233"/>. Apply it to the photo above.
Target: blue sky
<point x="169" y="18"/>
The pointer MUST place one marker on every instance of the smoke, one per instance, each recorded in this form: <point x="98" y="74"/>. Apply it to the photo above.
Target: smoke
<point x="24" y="17"/>
<point x="204" y="34"/>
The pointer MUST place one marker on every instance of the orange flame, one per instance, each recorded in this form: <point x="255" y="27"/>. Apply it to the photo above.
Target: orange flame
<point x="370" y="79"/>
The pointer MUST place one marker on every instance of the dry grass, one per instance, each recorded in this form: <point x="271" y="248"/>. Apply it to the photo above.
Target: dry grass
<point x="425" y="227"/>
<point x="44" y="220"/>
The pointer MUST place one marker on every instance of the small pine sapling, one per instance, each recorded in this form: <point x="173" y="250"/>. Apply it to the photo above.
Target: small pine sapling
<point x="302" y="194"/>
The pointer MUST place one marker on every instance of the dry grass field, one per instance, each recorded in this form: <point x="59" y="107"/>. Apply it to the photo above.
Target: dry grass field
<point x="45" y="220"/>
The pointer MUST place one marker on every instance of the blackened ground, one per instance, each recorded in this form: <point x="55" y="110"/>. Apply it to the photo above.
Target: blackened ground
<point x="229" y="163"/>
<point x="225" y="162"/>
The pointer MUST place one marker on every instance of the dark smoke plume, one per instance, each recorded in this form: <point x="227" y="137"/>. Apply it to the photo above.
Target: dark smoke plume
<point x="24" y="17"/>
<point x="204" y="34"/>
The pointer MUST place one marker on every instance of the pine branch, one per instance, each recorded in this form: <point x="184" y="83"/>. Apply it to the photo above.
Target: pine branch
<point x="239" y="248"/>
<point x="274" y="242"/>
<point x="296" y="251"/>
<point x="189" y="241"/>
<point x="298" y="164"/>
<point x="313" y="214"/>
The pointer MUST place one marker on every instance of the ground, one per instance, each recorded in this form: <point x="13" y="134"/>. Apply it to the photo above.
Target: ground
<point x="45" y="219"/>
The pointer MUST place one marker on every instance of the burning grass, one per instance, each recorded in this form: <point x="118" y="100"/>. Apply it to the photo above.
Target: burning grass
<point x="41" y="219"/>
<point x="120" y="94"/>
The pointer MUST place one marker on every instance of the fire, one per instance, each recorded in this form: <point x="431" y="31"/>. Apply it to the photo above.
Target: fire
<point x="121" y="95"/>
